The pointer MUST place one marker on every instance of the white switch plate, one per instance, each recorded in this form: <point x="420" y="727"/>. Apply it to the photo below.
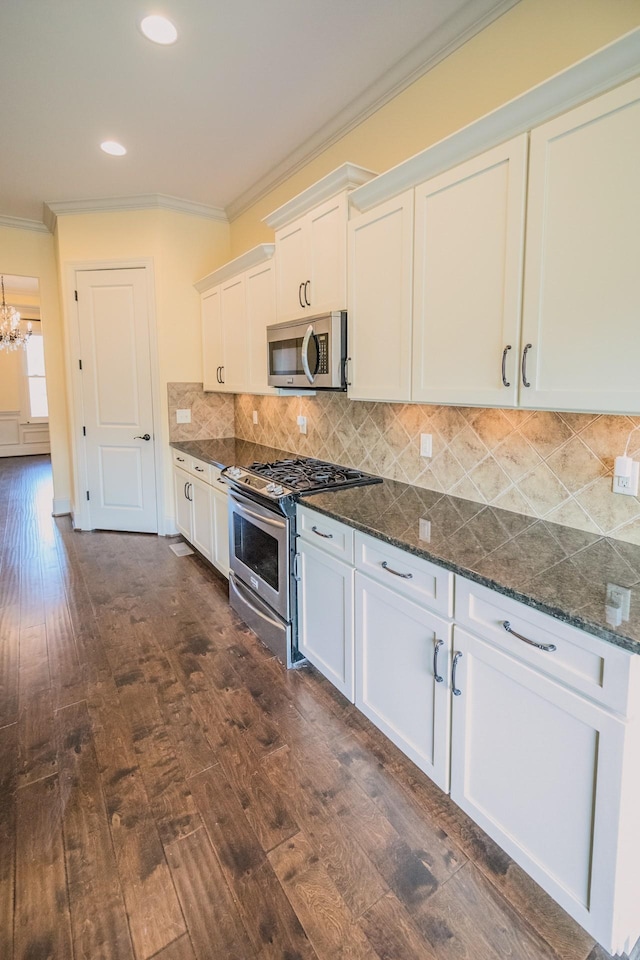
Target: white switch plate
<point x="628" y="485"/>
<point x="302" y="424"/>
<point x="426" y="445"/>
<point x="255" y="416"/>
<point x="620" y="598"/>
<point x="183" y="416"/>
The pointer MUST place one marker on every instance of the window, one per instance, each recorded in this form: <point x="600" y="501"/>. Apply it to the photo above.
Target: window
<point x="36" y="398"/>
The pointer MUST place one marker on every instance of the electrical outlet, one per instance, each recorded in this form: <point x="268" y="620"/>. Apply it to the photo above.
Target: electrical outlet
<point x="628" y="485"/>
<point x="255" y="416"/>
<point x="183" y="416"/>
<point x="426" y="445"/>
<point x="302" y="424"/>
<point x="620" y="599"/>
<point x="424" y="530"/>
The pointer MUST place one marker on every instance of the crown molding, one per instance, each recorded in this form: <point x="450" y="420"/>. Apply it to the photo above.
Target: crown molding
<point x="608" y="67"/>
<point x="459" y="28"/>
<point x="149" y="201"/>
<point x="18" y="223"/>
<point x="252" y="258"/>
<point x="346" y="177"/>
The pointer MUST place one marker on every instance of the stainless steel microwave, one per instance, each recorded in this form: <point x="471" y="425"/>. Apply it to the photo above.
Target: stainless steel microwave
<point x="309" y="353"/>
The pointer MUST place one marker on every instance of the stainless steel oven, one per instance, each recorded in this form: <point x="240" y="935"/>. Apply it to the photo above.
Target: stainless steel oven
<point x="309" y="353"/>
<point x="260" y="587"/>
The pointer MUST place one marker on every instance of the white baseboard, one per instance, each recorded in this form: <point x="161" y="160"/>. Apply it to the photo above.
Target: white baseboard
<point x="169" y="528"/>
<point x="61" y="507"/>
<point x="24" y="449"/>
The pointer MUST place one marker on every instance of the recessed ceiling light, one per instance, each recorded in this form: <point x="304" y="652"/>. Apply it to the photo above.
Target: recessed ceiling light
<point x="115" y="149"/>
<point x="159" y="29"/>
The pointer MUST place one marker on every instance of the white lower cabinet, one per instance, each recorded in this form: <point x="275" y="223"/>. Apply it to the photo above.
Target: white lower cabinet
<point x="201" y="506"/>
<point x="402" y="674"/>
<point x="325" y="615"/>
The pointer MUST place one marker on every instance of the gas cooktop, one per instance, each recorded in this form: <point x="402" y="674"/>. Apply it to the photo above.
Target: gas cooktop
<point x="299" y="476"/>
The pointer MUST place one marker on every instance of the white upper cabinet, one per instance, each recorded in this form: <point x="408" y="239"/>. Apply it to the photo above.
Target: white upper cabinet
<point x="380" y="293"/>
<point x="311" y="246"/>
<point x="582" y="288"/>
<point x="469" y="240"/>
<point x="237" y="304"/>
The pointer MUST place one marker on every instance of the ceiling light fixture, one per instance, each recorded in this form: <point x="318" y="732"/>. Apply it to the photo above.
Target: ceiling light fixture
<point x="159" y="30"/>
<point x="12" y="333"/>
<point x="113" y="148"/>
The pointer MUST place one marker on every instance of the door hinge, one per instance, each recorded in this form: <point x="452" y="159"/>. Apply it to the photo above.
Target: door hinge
<point x="84" y="431"/>
<point x="76" y="293"/>
<point x="80" y="364"/>
<point x="88" y="497"/>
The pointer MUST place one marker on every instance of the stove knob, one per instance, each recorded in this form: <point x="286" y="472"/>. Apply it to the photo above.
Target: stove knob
<point x="271" y="487"/>
<point x="234" y="472"/>
<point x="278" y="489"/>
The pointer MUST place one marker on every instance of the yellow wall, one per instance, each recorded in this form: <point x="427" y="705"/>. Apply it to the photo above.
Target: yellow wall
<point x="32" y="254"/>
<point x="183" y="249"/>
<point x="528" y="44"/>
<point x="10" y="372"/>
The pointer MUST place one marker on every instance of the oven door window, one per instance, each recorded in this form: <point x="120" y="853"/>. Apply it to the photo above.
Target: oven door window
<point x="256" y="549"/>
<point x="285" y="358"/>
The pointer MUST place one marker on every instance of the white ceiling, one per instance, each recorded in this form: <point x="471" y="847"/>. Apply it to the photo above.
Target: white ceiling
<point x="249" y="89"/>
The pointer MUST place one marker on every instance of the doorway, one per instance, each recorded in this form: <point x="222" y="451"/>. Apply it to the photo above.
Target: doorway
<point x="114" y="400"/>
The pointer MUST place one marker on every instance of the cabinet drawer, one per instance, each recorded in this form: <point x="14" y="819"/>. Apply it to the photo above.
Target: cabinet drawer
<point x="581" y="661"/>
<point x="420" y="580"/>
<point x="331" y="535"/>
<point x="180" y="460"/>
<point x="216" y="481"/>
<point x="199" y="469"/>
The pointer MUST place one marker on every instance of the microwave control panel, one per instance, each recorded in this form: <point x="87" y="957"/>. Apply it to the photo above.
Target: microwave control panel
<point x="322" y="339"/>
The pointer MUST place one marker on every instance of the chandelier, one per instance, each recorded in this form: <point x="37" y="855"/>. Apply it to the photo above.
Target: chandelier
<point x="12" y="333"/>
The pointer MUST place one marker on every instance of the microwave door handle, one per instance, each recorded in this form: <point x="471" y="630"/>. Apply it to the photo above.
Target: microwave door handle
<point x="305" y="354"/>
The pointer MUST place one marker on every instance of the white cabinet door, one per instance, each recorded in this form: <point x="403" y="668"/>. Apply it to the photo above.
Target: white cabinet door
<point x="469" y="245"/>
<point x="327" y="271"/>
<point x="325" y="615"/>
<point x="212" y="358"/>
<point x="539" y="768"/>
<point x="201" y="497"/>
<point x="292" y="269"/>
<point x="260" y="299"/>
<point x="181" y="482"/>
<point x="235" y="369"/>
<point x="581" y="292"/>
<point x="396" y="685"/>
<point x="380" y="292"/>
<point x="220" y="503"/>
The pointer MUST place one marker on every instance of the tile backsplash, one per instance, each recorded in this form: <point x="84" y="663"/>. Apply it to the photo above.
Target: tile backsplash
<point x="552" y="465"/>
<point x="212" y="414"/>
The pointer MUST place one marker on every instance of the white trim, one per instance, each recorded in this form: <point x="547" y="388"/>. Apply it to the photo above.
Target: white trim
<point x="451" y="35"/>
<point x="79" y="508"/>
<point x="61" y="507"/>
<point x="19" y="223"/>
<point x="612" y="65"/>
<point x="346" y="177"/>
<point x="149" y="201"/>
<point x="24" y="449"/>
<point x="259" y="254"/>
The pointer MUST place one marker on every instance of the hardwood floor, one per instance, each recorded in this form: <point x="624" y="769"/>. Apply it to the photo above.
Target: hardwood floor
<point x="168" y="790"/>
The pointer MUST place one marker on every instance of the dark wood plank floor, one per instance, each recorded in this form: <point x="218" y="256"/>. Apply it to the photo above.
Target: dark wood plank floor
<point x="167" y="790"/>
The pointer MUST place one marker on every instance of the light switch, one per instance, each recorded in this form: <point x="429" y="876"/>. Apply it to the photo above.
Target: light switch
<point x="183" y="416"/>
<point x="426" y="445"/>
<point x="255" y="416"/>
<point x="302" y="424"/>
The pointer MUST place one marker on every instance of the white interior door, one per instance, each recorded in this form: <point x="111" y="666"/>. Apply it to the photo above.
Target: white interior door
<point x="117" y="402"/>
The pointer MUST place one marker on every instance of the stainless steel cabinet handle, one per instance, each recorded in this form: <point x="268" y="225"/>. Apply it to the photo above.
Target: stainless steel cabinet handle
<point x="396" y="573"/>
<point x="222" y="374"/>
<point x="454" y="666"/>
<point x="524" y="364"/>
<point x="186" y="484"/>
<point x="436" y="675"/>
<point x="307" y="284"/>
<point x="300" y="295"/>
<point x="547" y="647"/>
<point x="325" y="536"/>
<point x="190" y="486"/>
<point x="218" y="375"/>
<point x="505" y="382"/>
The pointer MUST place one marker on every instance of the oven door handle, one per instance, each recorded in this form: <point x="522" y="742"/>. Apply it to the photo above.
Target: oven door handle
<point x="305" y="354"/>
<point x="244" y="510"/>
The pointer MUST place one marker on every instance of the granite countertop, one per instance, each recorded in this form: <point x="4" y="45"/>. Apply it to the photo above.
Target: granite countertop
<point x="555" y="569"/>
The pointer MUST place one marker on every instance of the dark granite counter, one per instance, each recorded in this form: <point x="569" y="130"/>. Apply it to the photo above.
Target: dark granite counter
<point x="558" y="570"/>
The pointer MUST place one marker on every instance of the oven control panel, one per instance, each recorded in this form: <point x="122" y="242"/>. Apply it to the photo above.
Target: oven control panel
<point x="248" y="481"/>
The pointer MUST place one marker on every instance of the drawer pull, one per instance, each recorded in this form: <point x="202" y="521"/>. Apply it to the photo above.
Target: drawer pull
<point x="454" y="666"/>
<point x="396" y="573"/>
<point x="547" y="647"/>
<point x="180" y="459"/>
<point x="200" y="469"/>
<point x="325" y="536"/>
<point x="436" y="675"/>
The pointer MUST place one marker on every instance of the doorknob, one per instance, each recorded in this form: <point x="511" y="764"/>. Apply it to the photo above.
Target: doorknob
<point x="145" y="436"/>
